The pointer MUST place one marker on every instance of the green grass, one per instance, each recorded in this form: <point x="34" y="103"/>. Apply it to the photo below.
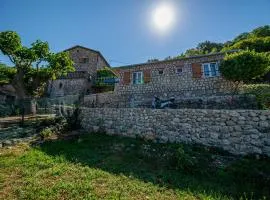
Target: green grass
<point x="97" y="166"/>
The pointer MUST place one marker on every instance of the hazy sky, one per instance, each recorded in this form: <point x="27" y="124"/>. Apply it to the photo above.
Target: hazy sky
<point x="123" y="30"/>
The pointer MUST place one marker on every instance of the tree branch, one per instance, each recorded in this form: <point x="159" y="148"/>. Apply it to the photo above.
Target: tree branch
<point x="11" y="59"/>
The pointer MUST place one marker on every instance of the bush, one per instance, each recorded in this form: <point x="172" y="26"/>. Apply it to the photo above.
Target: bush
<point x="259" y="44"/>
<point x="46" y="133"/>
<point x="244" y="66"/>
<point x="184" y="162"/>
<point x="262" y="93"/>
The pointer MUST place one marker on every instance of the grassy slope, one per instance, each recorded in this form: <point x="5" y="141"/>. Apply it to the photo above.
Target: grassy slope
<point x="106" y="167"/>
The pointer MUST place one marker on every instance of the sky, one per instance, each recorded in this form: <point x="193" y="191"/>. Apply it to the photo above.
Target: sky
<point x="124" y="31"/>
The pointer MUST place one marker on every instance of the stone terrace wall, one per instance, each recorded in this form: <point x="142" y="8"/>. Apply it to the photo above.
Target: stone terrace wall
<point x="115" y="100"/>
<point x="237" y="131"/>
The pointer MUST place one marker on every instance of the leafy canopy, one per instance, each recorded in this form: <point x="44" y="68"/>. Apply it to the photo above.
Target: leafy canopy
<point x="245" y="65"/>
<point x="6" y="74"/>
<point x="30" y="75"/>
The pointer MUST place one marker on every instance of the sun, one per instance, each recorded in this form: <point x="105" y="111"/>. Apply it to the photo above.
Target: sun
<point x="163" y="17"/>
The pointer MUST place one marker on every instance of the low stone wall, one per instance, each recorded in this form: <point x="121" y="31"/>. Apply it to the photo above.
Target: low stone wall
<point x="237" y="131"/>
<point x="114" y="100"/>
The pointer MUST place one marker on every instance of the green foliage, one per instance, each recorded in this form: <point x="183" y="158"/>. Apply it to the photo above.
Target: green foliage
<point x="258" y="40"/>
<point x="105" y="73"/>
<point x="258" y="44"/>
<point x="244" y="66"/>
<point x="6" y="74"/>
<point x="184" y="161"/>
<point x="240" y="37"/>
<point x="262" y="31"/>
<point x="46" y="133"/>
<point x="152" y="60"/>
<point x="60" y="64"/>
<point x="29" y="77"/>
<point x="261" y="91"/>
<point x="205" y="47"/>
<point x="209" y="47"/>
<point x="10" y="43"/>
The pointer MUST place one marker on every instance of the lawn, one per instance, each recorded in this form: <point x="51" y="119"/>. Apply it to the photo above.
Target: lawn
<point x="97" y="166"/>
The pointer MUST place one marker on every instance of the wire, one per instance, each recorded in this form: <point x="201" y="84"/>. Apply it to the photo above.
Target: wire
<point x="112" y="60"/>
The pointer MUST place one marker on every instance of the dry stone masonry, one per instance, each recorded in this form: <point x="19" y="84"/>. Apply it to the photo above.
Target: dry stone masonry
<point x="237" y="131"/>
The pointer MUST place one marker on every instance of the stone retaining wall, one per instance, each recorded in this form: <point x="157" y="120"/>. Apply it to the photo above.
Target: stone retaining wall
<point x="237" y="131"/>
<point x="114" y="100"/>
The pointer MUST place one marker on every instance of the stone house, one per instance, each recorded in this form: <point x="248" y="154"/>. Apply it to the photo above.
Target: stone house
<point x="86" y="62"/>
<point x="195" y="76"/>
<point x="185" y="77"/>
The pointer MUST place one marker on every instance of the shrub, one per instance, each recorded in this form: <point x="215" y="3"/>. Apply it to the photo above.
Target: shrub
<point x="261" y="91"/>
<point x="184" y="162"/>
<point x="244" y="66"/>
<point x="46" y="133"/>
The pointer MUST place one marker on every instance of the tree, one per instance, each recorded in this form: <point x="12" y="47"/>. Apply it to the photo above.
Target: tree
<point x="152" y="60"/>
<point x="244" y="66"/>
<point x="205" y="47"/>
<point x="258" y="44"/>
<point x="209" y="47"/>
<point x="262" y="31"/>
<point x="6" y="73"/>
<point x="240" y="37"/>
<point x="29" y="75"/>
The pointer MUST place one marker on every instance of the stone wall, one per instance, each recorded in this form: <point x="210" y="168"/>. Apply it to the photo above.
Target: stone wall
<point x="63" y="87"/>
<point x="115" y="100"/>
<point x="171" y="83"/>
<point x="237" y="131"/>
<point x="86" y="63"/>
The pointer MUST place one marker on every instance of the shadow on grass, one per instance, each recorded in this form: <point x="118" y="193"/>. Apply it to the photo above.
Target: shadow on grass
<point x="186" y="167"/>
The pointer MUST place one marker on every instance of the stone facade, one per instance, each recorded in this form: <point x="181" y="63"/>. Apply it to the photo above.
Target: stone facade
<point x="237" y="131"/>
<point x="178" y="77"/>
<point x="86" y="63"/>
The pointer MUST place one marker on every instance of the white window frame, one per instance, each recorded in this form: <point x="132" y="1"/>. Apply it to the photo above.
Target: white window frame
<point x="138" y="75"/>
<point x="211" y="73"/>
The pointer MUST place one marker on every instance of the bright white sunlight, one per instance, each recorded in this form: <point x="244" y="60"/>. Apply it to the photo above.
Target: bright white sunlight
<point x="163" y="17"/>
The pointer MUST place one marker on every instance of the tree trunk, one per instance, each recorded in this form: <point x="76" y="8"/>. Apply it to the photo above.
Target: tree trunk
<point x="26" y="104"/>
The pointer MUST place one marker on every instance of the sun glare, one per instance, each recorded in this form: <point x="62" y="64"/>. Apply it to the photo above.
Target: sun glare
<point x="163" y="17"/>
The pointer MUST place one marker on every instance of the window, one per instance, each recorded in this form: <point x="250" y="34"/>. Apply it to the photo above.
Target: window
<point x="178" y="71"/>
<point x="84" y="60"/>
<point x="210" y="69"/>
<point x="137" y="78"/>
<point x="60" y="85"/>
<point x="160" y="71"/>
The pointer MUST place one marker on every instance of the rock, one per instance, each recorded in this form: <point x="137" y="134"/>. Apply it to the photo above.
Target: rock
<point x="163" y="139"/>
<point x="95" y="128"/>
<point x="176" y="120"/>
<point x="230" y="123"/>
<point x="7" y="143"/>
<point x="255" y="119"/>
<point x="110" y="131"/>
<point x="264" y="124"/>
